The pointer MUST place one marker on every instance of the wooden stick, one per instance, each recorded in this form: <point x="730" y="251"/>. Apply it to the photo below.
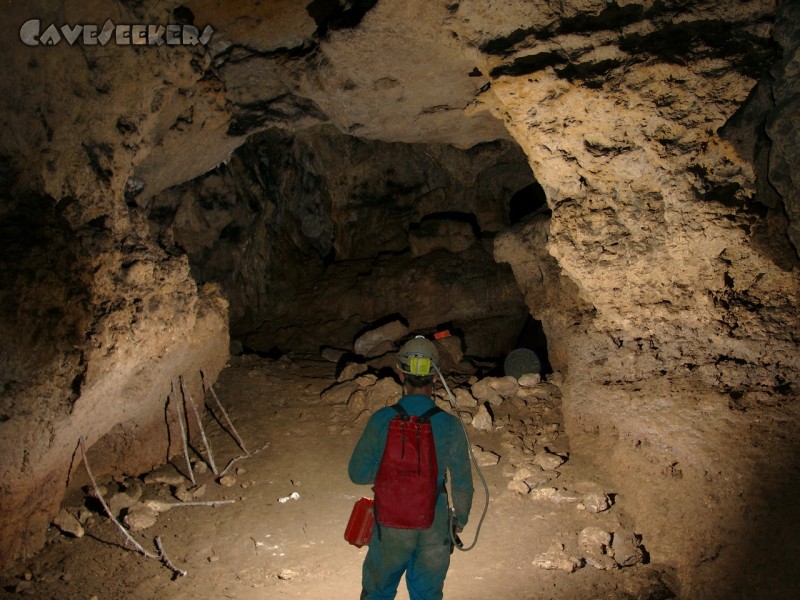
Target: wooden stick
<point x="187" y="398"/>
<point x="225" y="414"/>
<point x="232" y="462"/>
<point x="238" y="458"/>
<point x="99" y="496"/>
<point x="179" y="410"/>
<point x="165" y="559"/>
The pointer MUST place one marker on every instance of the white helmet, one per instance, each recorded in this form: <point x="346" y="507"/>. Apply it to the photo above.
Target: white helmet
<point x="418" y="357"/>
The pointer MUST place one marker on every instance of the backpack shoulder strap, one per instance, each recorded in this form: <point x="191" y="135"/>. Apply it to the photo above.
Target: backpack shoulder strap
<point x="402" y="412"/>
<point x="426" y="416"/>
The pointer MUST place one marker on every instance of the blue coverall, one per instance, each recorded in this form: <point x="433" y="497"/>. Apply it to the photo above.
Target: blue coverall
<point x="424" y="555"/>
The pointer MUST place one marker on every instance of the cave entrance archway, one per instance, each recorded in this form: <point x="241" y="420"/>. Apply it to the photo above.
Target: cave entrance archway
<point x="335" y="233"/>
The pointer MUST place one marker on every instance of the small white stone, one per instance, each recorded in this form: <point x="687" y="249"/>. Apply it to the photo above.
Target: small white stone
<point x="529" y="379"/>
<point x="292" y="496"/>
<point x="287" y="574"/>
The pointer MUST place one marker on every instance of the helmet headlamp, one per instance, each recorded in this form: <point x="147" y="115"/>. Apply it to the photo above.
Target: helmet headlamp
<point x="418" y="356"/>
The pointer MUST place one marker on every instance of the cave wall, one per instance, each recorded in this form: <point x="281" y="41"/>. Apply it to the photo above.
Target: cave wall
<point x="682" y="356"/>
<point x="97" y="319"/>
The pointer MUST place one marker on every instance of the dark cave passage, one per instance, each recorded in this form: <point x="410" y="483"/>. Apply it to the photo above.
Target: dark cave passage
<point x="311" y="250"/>
<point x="525" y="202"/>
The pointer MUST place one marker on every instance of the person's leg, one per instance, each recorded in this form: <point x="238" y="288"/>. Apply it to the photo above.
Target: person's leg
<point x="387" y="558"/>
<point x="430" y="561"/>
<point x="427" y="571"/>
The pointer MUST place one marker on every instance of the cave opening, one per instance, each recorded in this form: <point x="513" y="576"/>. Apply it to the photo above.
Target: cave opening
<point x="312" y="248"/>
<point x="533" y="337"/>
<point x="526" y="202"/>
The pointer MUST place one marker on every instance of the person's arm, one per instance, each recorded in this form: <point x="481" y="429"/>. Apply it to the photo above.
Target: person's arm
<point x="460" y="474"/>
<point x="366" y="456"/>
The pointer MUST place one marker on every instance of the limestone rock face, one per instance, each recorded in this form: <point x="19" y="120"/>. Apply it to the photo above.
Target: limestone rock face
<point x="678" y="317"/>
<point x="309" y="65"/>
<point x="96" y="318"/>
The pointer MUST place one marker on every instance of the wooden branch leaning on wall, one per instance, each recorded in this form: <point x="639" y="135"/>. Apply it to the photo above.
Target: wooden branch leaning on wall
<point x="179" y="408"/>
<point x="188" y="399"/>
<point x="162" y="555"/>
<point x="235" y="433"/>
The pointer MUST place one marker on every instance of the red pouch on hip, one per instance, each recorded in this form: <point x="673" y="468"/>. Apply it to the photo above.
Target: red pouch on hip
<point x="359" y="528"/>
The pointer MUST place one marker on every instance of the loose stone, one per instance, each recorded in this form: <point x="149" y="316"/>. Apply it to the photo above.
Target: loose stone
<point x="626" y="548"/>
<point x="140" y="517"/>
<point x="595" y="502"/>
<point x="485" y="458"/>
<point x="68" y="524"/>
<point x="482" y="419"/>
<point x="548" y="461"/>
<point x="594" y="544"/>
<point x="557" y="559"/>
<point x="554" y="495"/>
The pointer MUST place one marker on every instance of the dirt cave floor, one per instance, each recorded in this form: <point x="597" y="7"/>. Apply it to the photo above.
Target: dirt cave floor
<point x="260" y="547"/>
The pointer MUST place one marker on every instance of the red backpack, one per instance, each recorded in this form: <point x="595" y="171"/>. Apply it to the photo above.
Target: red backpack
<point x="406" y="485"/>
